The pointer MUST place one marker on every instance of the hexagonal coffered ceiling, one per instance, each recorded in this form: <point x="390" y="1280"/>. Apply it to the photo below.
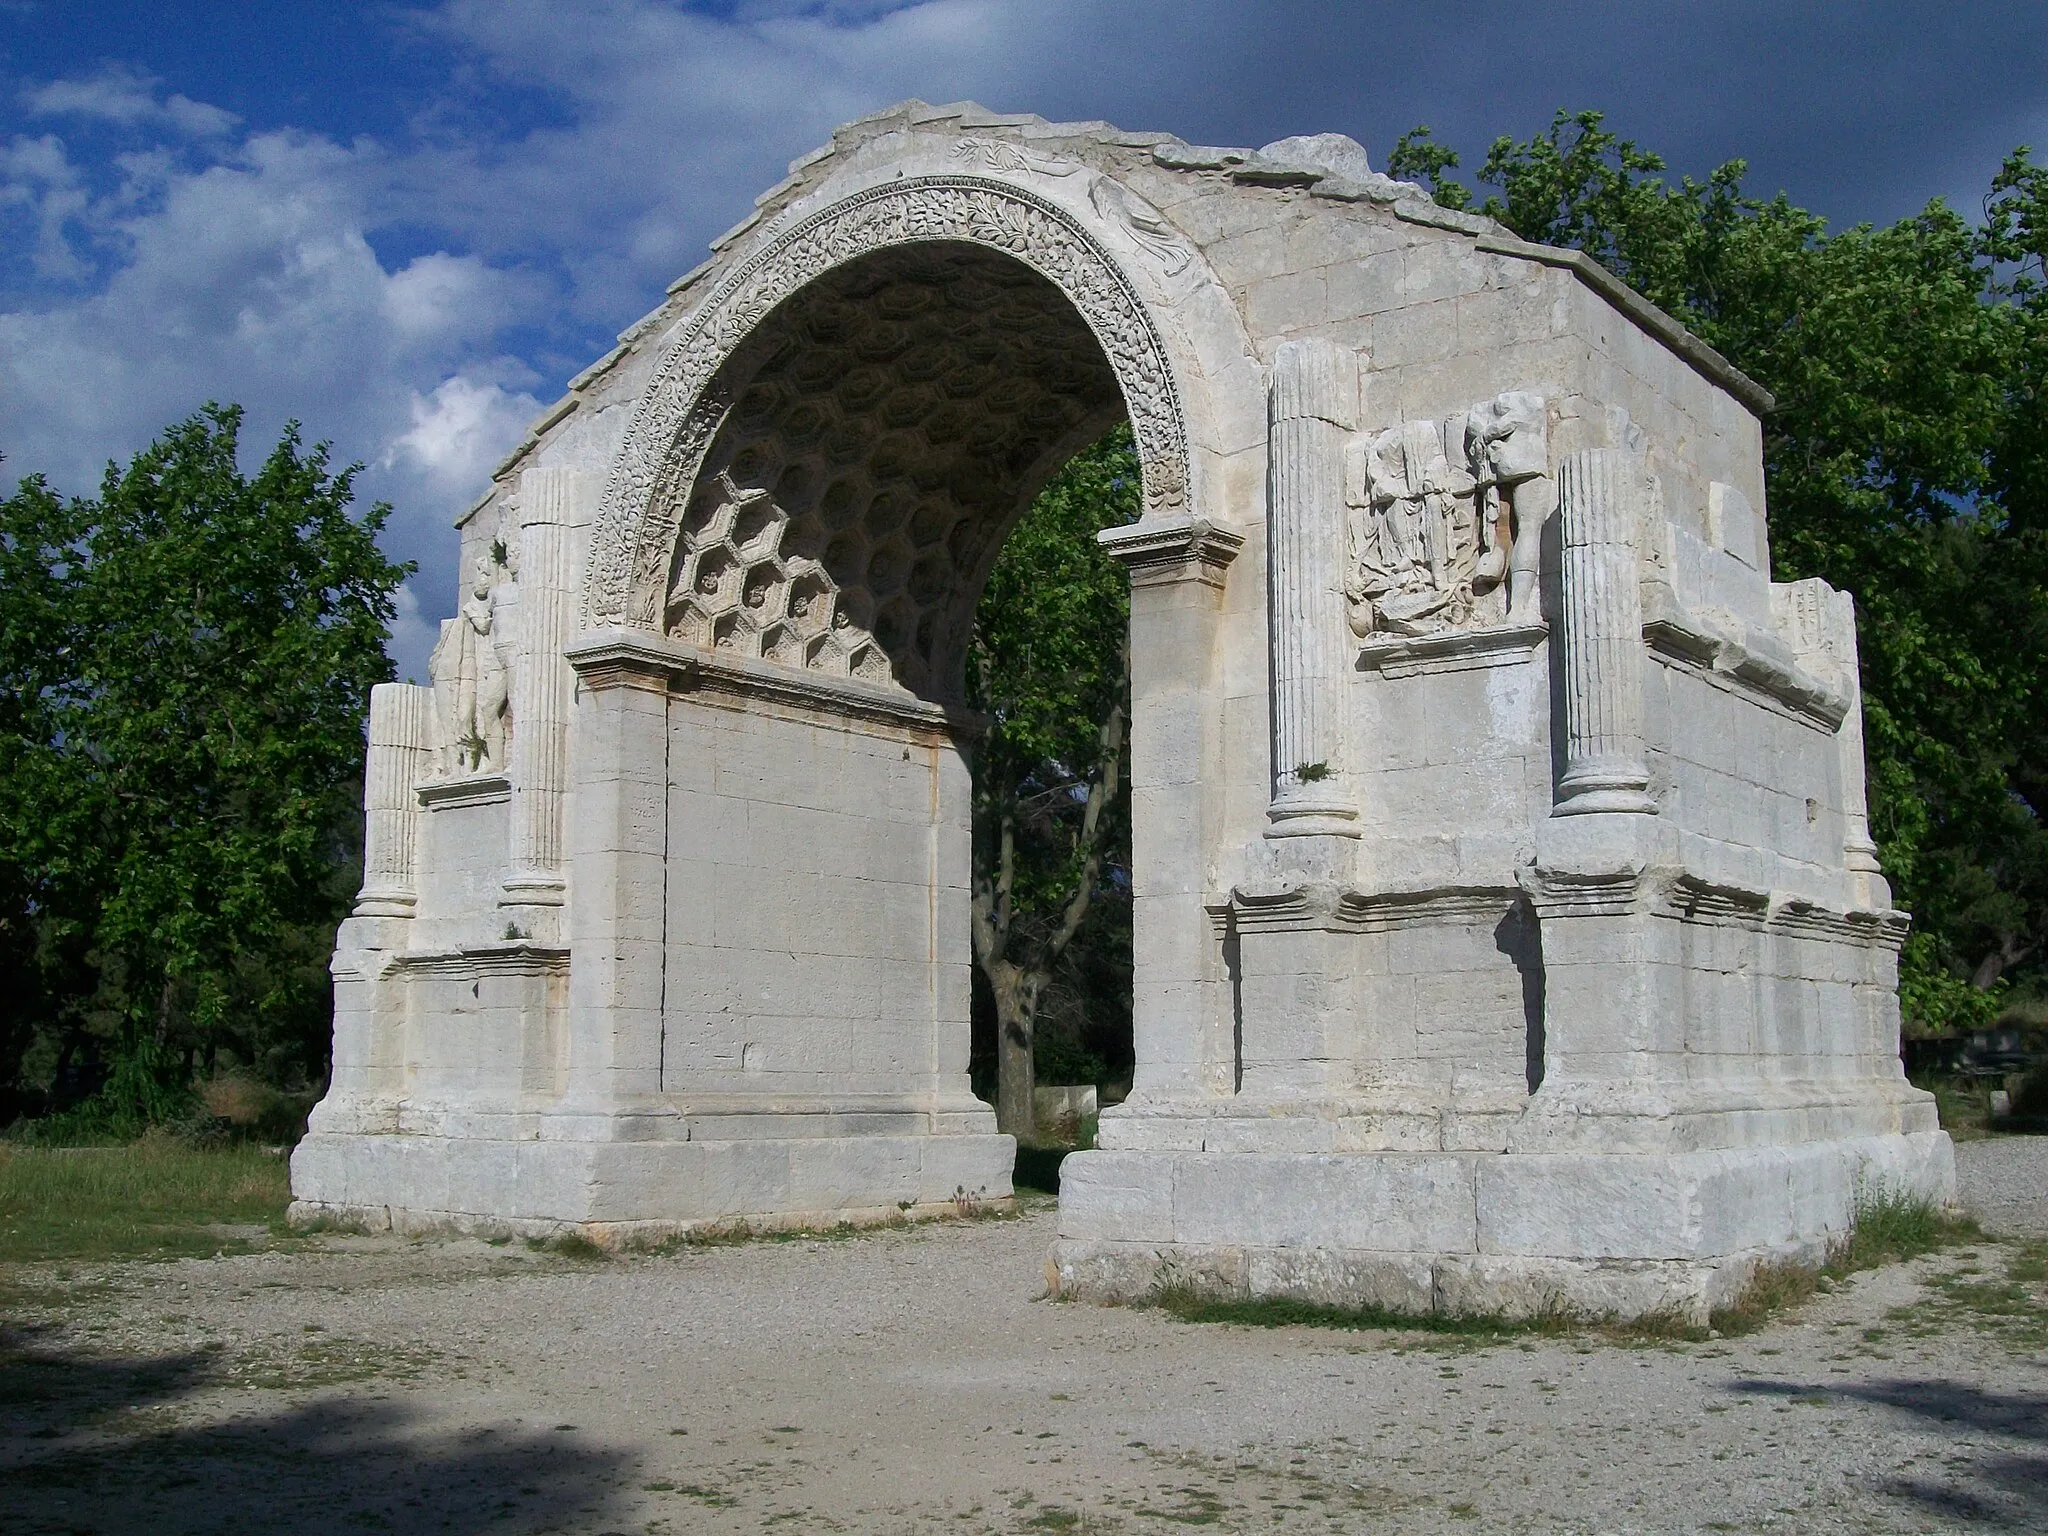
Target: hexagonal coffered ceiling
<point x="891" y="421"/>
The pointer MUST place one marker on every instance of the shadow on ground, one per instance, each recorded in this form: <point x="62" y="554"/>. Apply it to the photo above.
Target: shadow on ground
<point x="2002" y="1489"/>
<point x="95" y="1444"/>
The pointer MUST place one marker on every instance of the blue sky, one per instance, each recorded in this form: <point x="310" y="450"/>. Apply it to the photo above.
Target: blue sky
<point x="408" y="225"/>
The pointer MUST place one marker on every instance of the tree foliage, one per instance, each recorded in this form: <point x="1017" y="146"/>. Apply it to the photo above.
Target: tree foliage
<point x="185" y="665"/>
<point x="1906" y="461"/>
<point x="1050" y="666"/>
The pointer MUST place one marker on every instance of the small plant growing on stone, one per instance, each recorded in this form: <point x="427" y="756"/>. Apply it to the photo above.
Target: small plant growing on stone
<point x="1312" y="773"/>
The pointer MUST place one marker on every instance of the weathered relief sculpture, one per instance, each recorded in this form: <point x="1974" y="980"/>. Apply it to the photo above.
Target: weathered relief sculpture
<point x="1508" y="929"/>
<point x="1446" y="518"/>
<point x="1507" y="440"/>
<point x="472" y="682"/>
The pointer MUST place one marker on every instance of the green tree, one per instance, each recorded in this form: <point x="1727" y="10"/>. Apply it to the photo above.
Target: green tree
<point x="186" y="662"/>
<point x="1050" y="666"/>
<point x="1905" y="461"/>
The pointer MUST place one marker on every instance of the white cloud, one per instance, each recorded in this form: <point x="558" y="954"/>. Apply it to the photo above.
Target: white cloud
<point x="127" y="98"/>
<point x="37" y="177"/>
<point x="460" y="431"/>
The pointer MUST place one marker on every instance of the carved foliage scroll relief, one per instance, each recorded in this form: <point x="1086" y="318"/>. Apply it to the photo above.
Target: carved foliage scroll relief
<point x="637" y="527"/>
<point x="1445" y="519"/>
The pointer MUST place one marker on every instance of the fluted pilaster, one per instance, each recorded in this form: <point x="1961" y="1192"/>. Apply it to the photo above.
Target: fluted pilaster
<point x="1600" y="496"/>
<point x="1313" y="403"/>
<point x="542" y="687"/>
<point x="401" y="743"/>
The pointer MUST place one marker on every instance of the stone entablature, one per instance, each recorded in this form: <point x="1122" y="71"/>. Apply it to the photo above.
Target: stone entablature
<point x="1509" y="929"/>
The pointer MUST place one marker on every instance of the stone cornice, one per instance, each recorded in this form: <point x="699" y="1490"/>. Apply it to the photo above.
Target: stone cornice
<point x="741" y="677"/>
<point x="1453" y="650"/>
<point x="627" y="658"/>
<point x="1288" y="905"/>
<point x="630" y="658"/>
<point x="473" y="789"/>
<point x="518" y="957"/>
<point x="1755" y="664"/>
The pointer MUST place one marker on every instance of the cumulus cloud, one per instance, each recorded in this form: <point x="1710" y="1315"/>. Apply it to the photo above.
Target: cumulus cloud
<point x="253" y="278"/>
<point x="460" y="431"/>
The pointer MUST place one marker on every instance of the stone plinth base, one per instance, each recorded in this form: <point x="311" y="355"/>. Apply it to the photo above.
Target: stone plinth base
<point x="625" y="1193"/>
<point x="1473" y="1234"/>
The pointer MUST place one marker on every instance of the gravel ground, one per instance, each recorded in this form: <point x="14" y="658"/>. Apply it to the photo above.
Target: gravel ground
<point x="2003" y="1182"/>
<point x="911" y="1381"/>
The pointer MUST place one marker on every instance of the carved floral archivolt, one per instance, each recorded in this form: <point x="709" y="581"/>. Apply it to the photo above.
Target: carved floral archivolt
<point x="644" y="499"/>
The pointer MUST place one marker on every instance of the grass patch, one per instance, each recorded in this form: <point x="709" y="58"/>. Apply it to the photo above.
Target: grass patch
<point x="1889" y="1227"/>
<point x="570" y="1245"/>
<point x="2011" y="1307"/>
<point x="153" y="1198"/>
<point x="1193" y="1304"/>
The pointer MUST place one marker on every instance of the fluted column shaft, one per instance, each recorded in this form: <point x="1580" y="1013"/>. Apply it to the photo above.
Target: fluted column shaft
<point x="401" y="740"/>
<point x="1313" y="403"/>
<point x="1600" y="496"/>
<point x="541" y="688"/>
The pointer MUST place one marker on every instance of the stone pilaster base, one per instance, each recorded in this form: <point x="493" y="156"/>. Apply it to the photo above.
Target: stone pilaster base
<point x="625" y="1193"/>
<point x="1473" y="1234"/>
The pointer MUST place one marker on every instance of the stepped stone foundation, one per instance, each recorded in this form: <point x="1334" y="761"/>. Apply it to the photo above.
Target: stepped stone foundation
<point x="1509" y="935"/>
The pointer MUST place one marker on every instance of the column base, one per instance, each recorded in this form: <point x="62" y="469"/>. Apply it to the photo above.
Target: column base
<point x="510" y="1176"/>
<point x="1473" y="1234"/>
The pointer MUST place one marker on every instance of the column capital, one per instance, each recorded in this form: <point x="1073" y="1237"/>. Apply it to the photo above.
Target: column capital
<point x="1160" y="550"/>
<point x="630" y="658"/>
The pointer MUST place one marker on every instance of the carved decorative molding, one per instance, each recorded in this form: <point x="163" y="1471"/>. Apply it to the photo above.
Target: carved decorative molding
<point x="626" y="658"/>
<point x="1694" y="645"/>
<point x="1183" y="549"/>
<point x="477" y="789"/>
<point x="1287" y="906"/>
<point x="637" y="523"/>
<point x="518" y="957"/>
<point x="886" y="426"/>
<point x="1454" y="650"/>
<point x="749" y="684"/>
<point x="630" y="658"/>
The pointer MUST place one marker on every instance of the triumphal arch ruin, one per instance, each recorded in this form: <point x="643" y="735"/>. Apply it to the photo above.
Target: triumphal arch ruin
<point x="1509" y="933"/>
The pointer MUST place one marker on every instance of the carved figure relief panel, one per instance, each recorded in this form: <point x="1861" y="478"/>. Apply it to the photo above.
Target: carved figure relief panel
<point x="884" y="432"/>
<point x="1444" y="519"/>
<point x="471" y="667"/>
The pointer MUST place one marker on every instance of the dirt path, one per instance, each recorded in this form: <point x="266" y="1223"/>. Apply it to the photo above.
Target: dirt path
<point x="908" y="1381"/>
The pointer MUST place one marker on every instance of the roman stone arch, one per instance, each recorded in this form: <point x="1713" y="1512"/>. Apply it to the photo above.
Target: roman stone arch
<point x="1508" y="927"/>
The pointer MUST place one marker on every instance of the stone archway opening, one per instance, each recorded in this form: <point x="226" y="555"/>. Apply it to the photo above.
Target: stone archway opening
<point x="881" y="431"/>
<point x="889" y="423"/>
